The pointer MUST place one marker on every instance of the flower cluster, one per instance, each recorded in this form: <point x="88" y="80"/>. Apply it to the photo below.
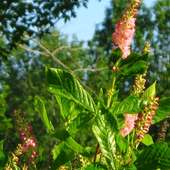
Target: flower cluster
<point x="129" y="124"/>
<point x="28" y="140"/>
<point x="123" y="35"/>
<point x="144" y="120"/>
<point x="125" y="29"/>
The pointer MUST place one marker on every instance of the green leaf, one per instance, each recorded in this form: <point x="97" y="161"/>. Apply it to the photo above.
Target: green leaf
<point x="57" y="149"/>
<point x="2" y="155"/>
<point x="163" y="111"/>
<point x="76" y="147"/>
<point x="150" y="92"/>
<point x="147" y="140"/>
<point x="139" y="67"/>
<point x="65" y="84"/>
<point x="122" y="144"/>
<point x="40" y="108"/>
<point x="154" y="157"/>
<point x="132" y="167"/>
<point x="131" y="104"/>
<point x="106" y="139"/>
<point x="68" y="108"/>
<point x="61" y="154"/>
<point x="66" y="150"/>
<point x="63" y="135"/>
<point x="81" y="121"/>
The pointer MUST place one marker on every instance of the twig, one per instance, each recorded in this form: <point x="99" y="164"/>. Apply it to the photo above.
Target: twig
<point x="64" y="47"/>
<point x="90" y="69"/>
<point x="31" y="50"/>
<point x="97" y="151"/>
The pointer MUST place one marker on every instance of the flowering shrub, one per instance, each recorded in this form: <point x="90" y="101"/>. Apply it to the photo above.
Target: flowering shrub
<point x="27" y="147"/>
<point x="119" y="124"/>
<point x="105" y="131"/>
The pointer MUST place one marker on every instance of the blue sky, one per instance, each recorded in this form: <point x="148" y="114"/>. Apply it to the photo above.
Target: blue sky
<point x="83" y="26"/>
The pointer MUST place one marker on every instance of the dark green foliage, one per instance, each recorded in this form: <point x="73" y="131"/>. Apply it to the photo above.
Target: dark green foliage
<point x="153" y="157"/>
<point x="62" y="154"/>
<point x="2" y="155"/>
<point x="22" y="17"/>
<point x="94" y="167"/>
<point x="163" y="111"/>
<point x="134" y="64"/>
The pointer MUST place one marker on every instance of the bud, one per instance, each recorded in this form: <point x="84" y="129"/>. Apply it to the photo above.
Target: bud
<point x="147" y="48"/>
<point x="139" y="84"/>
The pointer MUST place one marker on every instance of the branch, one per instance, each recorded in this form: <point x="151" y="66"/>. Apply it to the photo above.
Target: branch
<point x="31" y="50"/>
<point x="53" y="57"/>
<point x="91" y="69"/>
<point x="64" y="47"/>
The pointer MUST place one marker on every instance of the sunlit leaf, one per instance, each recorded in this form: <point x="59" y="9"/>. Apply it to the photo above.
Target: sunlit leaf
<point x="106" y="139"/>
<point x="64" y="84"/>
<point x="40" y="108"/>
<point x="147" y="140"/>
<point x="150" y="92"/>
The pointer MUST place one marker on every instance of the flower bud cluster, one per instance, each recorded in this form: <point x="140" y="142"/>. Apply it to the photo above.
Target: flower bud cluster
<point x="132" y="10"/>
<point x="28" y="140"/>
<point x="147" y="48"/>
<point x="139" y="84"/>
<point x="14" y="159"/>
<point x="144" y="120"/>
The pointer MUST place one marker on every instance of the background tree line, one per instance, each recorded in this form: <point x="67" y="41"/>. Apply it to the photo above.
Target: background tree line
<point x="30" y="42"/>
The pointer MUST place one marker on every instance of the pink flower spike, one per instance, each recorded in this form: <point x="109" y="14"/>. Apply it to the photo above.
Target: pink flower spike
<point x="123" y="35"/>
<point x="129" y="124"/>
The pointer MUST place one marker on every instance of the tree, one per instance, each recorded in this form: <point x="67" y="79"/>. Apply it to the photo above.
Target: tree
<point x="33" y="17"/>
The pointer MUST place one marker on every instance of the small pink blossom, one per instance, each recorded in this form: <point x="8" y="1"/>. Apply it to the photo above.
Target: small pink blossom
<point x="123" y="35"/>
<point x="31" y="142"/>
<point x="129" y="124"/>
<point x="22" y="136"/>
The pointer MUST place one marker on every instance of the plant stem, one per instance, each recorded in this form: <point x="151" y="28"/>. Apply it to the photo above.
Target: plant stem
<point x="97" y="151"/>
<point x="112" y="90"/>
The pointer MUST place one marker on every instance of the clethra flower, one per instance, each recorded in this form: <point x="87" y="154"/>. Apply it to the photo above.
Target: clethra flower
<point x="123" y="35"/>
<point x="129" y="124"/>
<point x="125" y="29"/>
<point x="28" y="146"/>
